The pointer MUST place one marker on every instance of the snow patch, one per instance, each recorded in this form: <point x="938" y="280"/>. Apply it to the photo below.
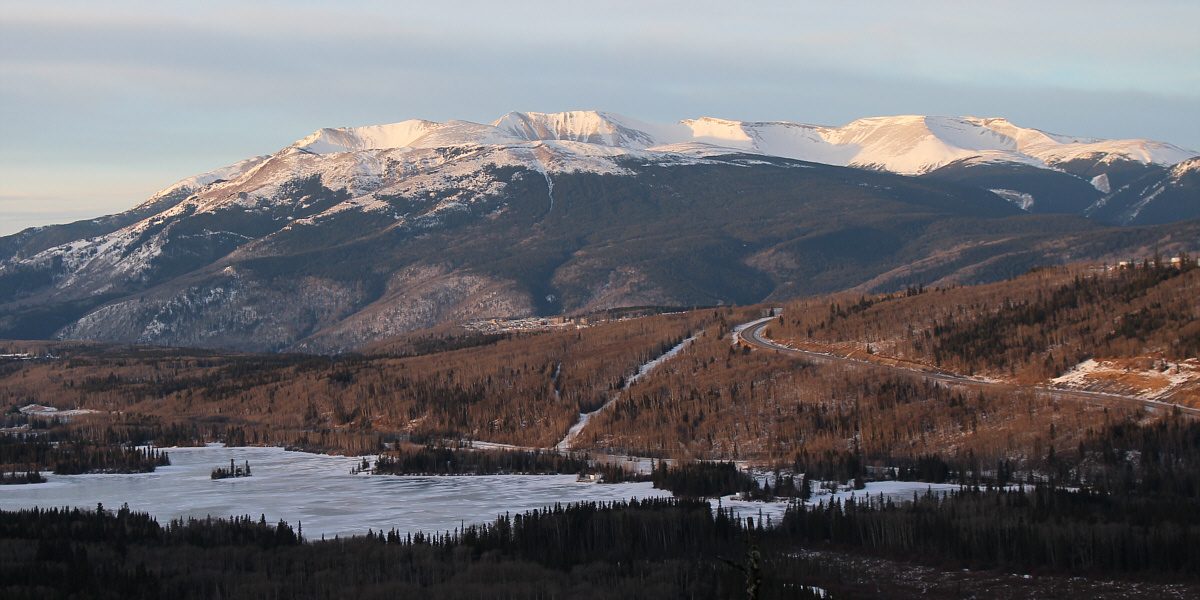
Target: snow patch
<point x="194" y="183"/>
<point x="1147" y="377"/>
<point x="1141" y="204"/>
<point x="1021" y="199"/>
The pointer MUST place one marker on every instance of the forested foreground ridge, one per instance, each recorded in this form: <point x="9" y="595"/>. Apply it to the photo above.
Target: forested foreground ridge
<point x="667" y="548"/>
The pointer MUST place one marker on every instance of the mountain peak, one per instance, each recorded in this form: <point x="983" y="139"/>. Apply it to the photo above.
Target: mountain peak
<point x="587" y="126"/>
<point x="376" y="137"/>
<point x="906" y="144"/>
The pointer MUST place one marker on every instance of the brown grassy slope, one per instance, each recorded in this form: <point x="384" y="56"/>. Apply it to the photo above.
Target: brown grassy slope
<point x="502" y="390"/>
<point x="718" y="402"/>
<point x="1027" y="330"/>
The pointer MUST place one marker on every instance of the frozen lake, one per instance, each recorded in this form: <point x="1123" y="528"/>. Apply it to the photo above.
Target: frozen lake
<point x="315" y="490"/>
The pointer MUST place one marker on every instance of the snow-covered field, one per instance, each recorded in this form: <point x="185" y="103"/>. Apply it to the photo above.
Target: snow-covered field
<point x="316" y="490"/>
<point x="49" y="412"/>
<point x="897" y="491"/>
<point x="1147" y="377"/>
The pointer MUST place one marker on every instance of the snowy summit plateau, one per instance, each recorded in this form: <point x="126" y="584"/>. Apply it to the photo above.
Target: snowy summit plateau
<point x="908" y="145"/>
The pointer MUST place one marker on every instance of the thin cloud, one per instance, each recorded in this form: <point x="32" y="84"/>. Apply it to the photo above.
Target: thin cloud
<point x="152" y="92"/>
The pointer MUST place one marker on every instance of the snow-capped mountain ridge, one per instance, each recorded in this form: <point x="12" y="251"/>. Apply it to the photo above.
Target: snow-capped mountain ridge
<point x="1191" y="165"/>
<point x="1174" y="192"/>
<point x="423" y="159"/>
<point x="351" y="234"/>
<point x="197" y="182"/>
<point x="909" y="144"/>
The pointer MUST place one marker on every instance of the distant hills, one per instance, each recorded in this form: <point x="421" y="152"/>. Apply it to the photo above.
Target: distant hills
<point x="357" y="234"/>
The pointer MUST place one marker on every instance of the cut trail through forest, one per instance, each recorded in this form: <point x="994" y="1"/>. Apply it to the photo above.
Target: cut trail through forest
<point x="577" y="428"/>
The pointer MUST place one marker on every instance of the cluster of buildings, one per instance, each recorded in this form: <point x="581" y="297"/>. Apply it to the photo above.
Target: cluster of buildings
<point x="1175" y="261"/>
<point x="531" y="324"/>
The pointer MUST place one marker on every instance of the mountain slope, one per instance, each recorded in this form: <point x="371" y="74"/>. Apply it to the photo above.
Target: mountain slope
<point x="1033" y="189"/>
<point x="1161" y="196"/>
<point x="351" y="235"/>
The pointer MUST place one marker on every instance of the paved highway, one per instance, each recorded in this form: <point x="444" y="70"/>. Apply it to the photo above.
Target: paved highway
<point x="753" y="335"/>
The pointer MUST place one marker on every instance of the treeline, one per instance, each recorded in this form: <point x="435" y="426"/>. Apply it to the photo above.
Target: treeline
<point x="966" y="469"/>
<point x="1131" y="504"/>
<point x="702" y="479"/>
<point x="130" y="430"/>
<point x="18" y="478"/>
<point x="705" y="479"/>
<point x="658" y="548"/>
<point x="432" y="460"/>
<point x="1045" y="528"/>
<point x="714" y="479"/>
<point x="611" y="472"/>
<point x="124" y="525"/>
<point x="640" y="549"/>
<point x="77" y="457"/>
<point x="232" y="471"/>
<point x="1160" y="458"/>
<point x="1030" y="328"/>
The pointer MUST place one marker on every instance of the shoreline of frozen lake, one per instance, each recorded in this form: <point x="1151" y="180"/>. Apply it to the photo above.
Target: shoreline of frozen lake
<point x="318" y="492"/>
<point x="314" y="490"/>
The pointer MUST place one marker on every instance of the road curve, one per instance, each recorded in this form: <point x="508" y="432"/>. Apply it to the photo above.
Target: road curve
<point x="752" y="334"/>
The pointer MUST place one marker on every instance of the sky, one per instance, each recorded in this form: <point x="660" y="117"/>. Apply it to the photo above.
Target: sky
<point x="102" y="103"/>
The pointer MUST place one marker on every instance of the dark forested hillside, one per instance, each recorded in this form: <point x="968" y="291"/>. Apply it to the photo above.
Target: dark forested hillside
<point x="1036" y="190"/>
<point x="512" y="242"/>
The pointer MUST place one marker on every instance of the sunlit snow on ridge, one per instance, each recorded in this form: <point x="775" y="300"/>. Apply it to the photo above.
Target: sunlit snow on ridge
<point x="908" y="144"/>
